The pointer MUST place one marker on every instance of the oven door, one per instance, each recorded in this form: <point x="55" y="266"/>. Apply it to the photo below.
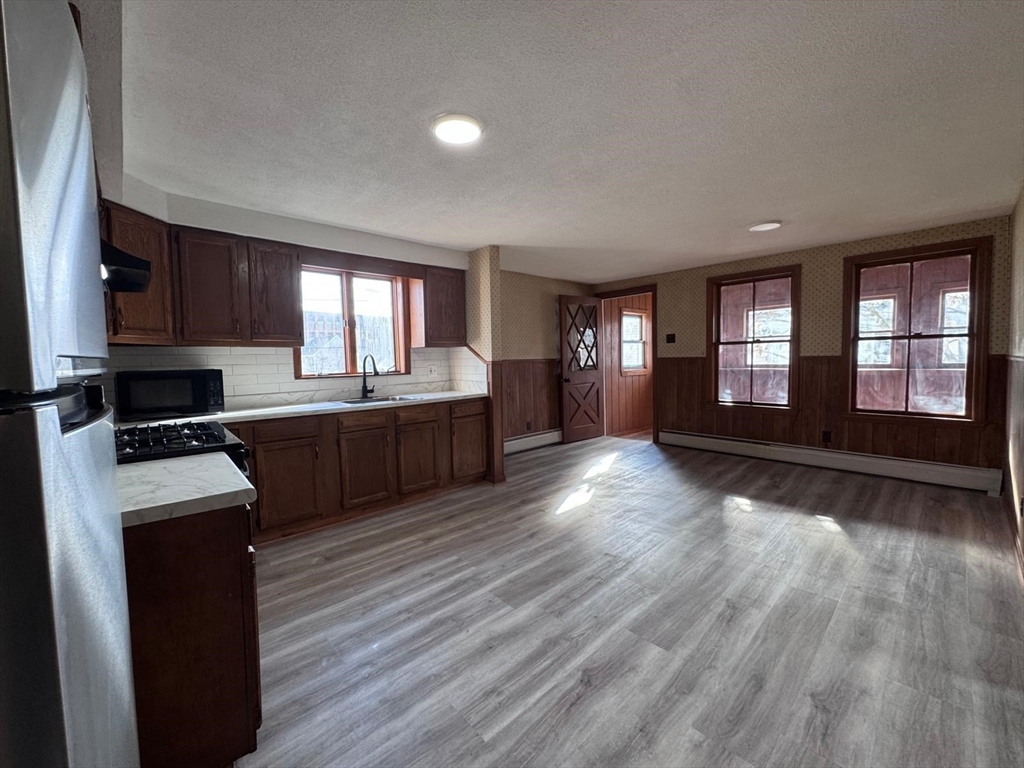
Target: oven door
<point x="165" y="394"/>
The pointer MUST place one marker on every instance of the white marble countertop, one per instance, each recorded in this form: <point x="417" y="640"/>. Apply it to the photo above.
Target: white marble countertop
<point x="320" y="408"/>
<point x="148" y="491"/>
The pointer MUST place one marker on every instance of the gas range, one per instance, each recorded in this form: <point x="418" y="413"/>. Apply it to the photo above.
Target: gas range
<point x="167" y="441"/>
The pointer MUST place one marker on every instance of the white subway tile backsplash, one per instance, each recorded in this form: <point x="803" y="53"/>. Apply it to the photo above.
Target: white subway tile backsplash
<point x="265" y="376"/>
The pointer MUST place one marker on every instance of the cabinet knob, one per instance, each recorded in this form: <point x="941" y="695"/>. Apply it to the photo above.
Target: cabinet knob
<point x="236" y="328"/>
<point x="316" y="451"/>
<point x="120" y="319"/>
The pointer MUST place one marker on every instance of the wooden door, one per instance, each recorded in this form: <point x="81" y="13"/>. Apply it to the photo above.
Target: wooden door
<point x="469" y="446"/>
<point x="444" y="307"/>
<point x="418" y="456"/>
<point x="367" y="460"/>
<point x="582" y="408"/>
<point x="211" y="278"/>
<point x="288" y="481"/>
<point x="148" y="317"/>
<point x="275" y="293"/>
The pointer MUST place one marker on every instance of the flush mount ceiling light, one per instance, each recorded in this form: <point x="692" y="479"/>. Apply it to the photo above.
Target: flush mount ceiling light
<point x="457" y="129"/>
<point x="766" y="226"/>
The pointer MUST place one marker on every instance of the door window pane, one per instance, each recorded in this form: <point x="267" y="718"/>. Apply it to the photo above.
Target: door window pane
<point x="373" y="300"/>
<point x="323" y="321"/>
<point x="632" y="341"/>
<point x="582" y="336"/>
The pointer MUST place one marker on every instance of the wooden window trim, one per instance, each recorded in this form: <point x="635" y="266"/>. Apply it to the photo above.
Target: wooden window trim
<point x="980" y="250"/>
<point x="714" y="285"/>
<point x="400" y="303"/>
<point x="645" y="323"/>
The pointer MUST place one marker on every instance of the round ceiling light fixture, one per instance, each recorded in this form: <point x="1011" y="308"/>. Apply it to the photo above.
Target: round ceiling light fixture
<point x="457" y="129"/>
<point x="766" y="226"/>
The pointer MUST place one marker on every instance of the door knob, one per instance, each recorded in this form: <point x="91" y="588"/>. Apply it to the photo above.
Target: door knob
<point x="566" y="379"/>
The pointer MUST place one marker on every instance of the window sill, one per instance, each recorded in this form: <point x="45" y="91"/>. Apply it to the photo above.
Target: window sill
<point x="911" y="420"/>
<point x="790" y="409"/>
<point x="634" y="372"/>
<point x="369" y="375"/>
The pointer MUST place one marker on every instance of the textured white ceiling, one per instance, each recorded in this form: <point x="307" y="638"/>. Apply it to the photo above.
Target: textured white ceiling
<point x="620" y="138"/>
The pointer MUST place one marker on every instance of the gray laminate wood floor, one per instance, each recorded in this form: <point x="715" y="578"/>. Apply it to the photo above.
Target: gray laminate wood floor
<point x="619" y="604"/>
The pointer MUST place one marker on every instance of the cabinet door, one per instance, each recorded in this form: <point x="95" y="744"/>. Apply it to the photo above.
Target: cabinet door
<point x="469" y="446"/>
<point x="211" y="274"/>
<point x="419" y="457"/>
<point x="142" y="318"/>
<point x="275" y="293"/>
<point x="367" y="460"/>
<point x="192" y="620"/>
<point x="444" y="307"/>
<point x="287" y="481"/>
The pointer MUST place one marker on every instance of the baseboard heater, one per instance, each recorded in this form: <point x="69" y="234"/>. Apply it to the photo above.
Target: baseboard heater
<point x="974" y="478"/>
<point x="536" y="440"/>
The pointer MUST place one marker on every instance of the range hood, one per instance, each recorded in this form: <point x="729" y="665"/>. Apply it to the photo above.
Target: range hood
<point x="122" y="272"/>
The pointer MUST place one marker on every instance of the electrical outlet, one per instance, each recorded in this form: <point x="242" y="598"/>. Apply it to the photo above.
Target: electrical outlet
<point x="826" y="436"/>
<point x="431" y="370"/>
<point x="670" y="338"/>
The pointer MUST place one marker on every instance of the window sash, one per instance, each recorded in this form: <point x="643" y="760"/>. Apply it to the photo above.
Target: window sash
<point x="751" y="366"/>
<point x="640" y="342"/>
<point x="969" y="333"/>
<point x="350" y="328"/>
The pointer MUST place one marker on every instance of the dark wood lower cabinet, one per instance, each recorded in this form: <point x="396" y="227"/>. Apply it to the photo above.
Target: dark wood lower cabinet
<point x="367" y="467"/>
<point x="195" y="638"/>
<point x="312" y="471"/>
<point x="287" y="484"/>
<point x="419" y="457"/>
<point x="469" y="446"/>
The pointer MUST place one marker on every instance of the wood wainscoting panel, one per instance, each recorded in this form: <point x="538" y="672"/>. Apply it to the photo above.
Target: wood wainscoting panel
<point x="530" y="396"/>
<point x="684" y="405"/>
<point x="628" y="396"/>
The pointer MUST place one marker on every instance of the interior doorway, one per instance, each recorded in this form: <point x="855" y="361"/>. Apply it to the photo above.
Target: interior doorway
<point x="629" y="370"/>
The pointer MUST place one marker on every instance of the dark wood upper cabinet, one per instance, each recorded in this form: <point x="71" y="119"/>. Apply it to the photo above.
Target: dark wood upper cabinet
<point x="142" y="318"/>
<point x="418" y="456"/>
<point x="367" y="466"/>
<point x="212" y="282"/>
<point x="444" y="307"/>
<point x="288" y="481"/>
<point x="469" y="446"/>
<point x="275" y="293"/>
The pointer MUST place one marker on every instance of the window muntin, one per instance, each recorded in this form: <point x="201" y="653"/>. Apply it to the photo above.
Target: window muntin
<point x="922" y="367"/>
<point x="633" y="353"/>
<point x="346" y="316"/>
<point x="753" y="337"/>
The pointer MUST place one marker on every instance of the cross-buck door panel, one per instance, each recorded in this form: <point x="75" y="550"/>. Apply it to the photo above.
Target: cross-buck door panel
<point x="582" y="406"/>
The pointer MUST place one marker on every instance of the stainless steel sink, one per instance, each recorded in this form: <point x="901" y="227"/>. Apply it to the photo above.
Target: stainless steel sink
<point x="391" y="399"/>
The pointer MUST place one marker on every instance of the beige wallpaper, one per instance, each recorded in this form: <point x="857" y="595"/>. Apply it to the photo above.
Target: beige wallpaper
<point x="682" y="298"/>
<point x="1016" y="345"/>
<point x="529" y="314"/>
<point x="483" y="291"/>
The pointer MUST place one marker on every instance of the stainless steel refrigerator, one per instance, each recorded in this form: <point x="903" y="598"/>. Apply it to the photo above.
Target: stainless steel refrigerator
<point x="66" y="695"/>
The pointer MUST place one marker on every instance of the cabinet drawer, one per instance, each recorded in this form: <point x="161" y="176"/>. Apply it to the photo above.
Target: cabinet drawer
<point x="285" y="429"/>
<point x="347" y="422"/>
<point x="471" y="408"/>
<point x="415" y="413"/>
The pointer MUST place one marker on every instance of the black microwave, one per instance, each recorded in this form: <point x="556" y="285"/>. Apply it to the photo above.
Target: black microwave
<point x="158" y="394"/>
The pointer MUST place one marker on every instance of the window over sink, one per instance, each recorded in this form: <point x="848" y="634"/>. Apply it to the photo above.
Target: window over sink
<point x="346" y="316"/>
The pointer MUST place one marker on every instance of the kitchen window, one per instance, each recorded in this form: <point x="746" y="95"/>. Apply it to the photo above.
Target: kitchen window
<point x="915" y="341"/>
<point x="633" y="339"/>
<point x="346" y="316"/>
<point x="753" y="337"/>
